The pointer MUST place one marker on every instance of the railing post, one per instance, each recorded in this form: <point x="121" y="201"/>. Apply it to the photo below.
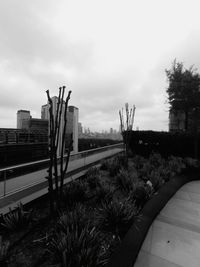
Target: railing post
<point x="4" y="184"/>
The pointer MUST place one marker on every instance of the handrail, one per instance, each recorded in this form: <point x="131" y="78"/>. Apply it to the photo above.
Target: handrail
<point x="99" y="148"/>
<point x="32" y="163"/>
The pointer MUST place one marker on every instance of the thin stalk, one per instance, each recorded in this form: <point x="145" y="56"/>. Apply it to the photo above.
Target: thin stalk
<point x="66" y="164"/>
<point x="60" y="114"/>
<point x="56" y="118"/>
<point x="50" y="176"/>
<point x="63" y="140"/>
<point x="68" y="153"/>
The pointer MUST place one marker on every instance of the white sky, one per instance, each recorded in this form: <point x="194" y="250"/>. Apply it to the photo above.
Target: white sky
<point x="108" y="52"/>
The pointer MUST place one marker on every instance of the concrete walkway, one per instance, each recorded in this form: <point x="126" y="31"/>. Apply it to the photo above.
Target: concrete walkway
<point x="26" y="180"/>
<point x="173" y="239"/>
<point x="25" y="188"/>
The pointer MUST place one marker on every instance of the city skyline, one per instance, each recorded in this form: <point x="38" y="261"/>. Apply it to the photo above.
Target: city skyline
<point x="44" y="116"/>
<point x="107" y="52"/>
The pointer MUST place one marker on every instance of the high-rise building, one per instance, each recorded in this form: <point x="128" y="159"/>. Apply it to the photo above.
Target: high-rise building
<point x="73" y="115"/>
<point x="33" y="125"/>
<point x="21" y="116"/>
<point x="45" y="112"/>
<point x="80" y="129"/>
<point x="72" y="122"/>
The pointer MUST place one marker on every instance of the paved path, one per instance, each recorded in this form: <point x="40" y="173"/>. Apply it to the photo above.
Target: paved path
<point x="39" y="176"/>
<point x="173" y="239"/>
<point x="28" y="187"/>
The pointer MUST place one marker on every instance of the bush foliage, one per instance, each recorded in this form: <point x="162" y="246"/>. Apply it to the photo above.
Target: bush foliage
<point x="16" y="219"/>
<point x="116" y="216"/>
<point x="93" y="177"/>
<point x="76" y="241"/>
<point x="98" y="210"/>
<point x="74" y="192"/>
<point x="4" y="246"/>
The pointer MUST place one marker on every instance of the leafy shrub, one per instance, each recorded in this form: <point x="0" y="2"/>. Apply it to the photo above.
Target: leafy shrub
<point x="93" y="177"/>
<point x="76" y="241"/>
<point x="16" y="219"/>
<point x="134" y="174"/>
<point x="124" y="182"/>
<point x="116" y="216"/>
<point x="105" y="164"/>
<point x="190" y="162"/>
<point x="149" y="189"/>
<point x="4" y="246"/>
<point x="156" y="179"/>
<point x="76" y="219"/>
<point x="140" y="194"/>
<point x="109" y="245"/>
<point x="176" y="164"/>
<point x="156" y="160"/>
<point x="145" y="171"/>
<point x="74" y="192"/>
<point x="76" y="247"/>
<point x="122" y="160"/>
<point x="103" y="192"/>
<point x="114" y="165"/>
<point x="114" y="168"/>
<point x="93" y="171"/>
<point x="165" y="172"/>
<point x="138" y="161"/>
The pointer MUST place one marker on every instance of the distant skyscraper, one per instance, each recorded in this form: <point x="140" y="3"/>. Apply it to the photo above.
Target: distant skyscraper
<point x="21" y="116"/>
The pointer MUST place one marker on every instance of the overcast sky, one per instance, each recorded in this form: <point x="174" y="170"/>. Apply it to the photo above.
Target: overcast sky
<point x="108" y="52"/>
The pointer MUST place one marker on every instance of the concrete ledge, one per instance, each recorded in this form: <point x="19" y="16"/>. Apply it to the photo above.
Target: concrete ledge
<point x="127" y="253"/>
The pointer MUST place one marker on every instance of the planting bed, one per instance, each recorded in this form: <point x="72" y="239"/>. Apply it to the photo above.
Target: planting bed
<point x="96" y="213"/>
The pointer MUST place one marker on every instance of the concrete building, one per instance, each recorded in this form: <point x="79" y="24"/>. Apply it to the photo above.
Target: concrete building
<point x="73" y="125"/>
<point x="26" y="122"/>
<point x="80" y="130"/>
<point x="21" y="116"/>
<point x="45" y="112"/>
<point x="34" y="124"/>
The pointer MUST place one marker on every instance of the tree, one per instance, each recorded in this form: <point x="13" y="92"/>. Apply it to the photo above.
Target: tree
<point x="183" y="90"/>
<point x="57" y="136"/>
<point x="126" y="123"/>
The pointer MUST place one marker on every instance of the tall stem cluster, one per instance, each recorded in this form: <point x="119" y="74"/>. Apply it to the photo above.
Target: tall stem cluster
<point x="126" y="124"/>
<point x="57" y="143"/>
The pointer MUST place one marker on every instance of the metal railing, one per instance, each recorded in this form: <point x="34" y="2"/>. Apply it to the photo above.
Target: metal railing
<point x="15" y="171"/>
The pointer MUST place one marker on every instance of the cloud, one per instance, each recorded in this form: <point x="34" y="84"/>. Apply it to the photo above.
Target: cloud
<point x="34" y="57"/>
<point x="108" y="53"/>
